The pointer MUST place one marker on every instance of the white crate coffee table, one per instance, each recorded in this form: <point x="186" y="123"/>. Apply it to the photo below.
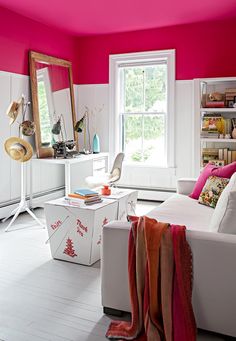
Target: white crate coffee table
<point x="75" y="232"/>
<point x="127" y="200"/>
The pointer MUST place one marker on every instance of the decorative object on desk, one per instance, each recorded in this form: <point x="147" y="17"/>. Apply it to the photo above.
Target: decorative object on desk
<point x="64" y="149"/>
<point x="83" y="126"/>
<point x="20" y="150"/>
<point x="96" y="144"/>
<point x="234" y="128"/>
<point x="96" y="140"/>
<point x="227" y="136"/>
<point x="106" y="190"/>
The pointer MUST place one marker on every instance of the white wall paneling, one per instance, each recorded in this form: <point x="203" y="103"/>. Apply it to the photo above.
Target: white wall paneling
<point x="95" y="97"/>
<point x="5" y="162"/>
<point x="184" y="125"/>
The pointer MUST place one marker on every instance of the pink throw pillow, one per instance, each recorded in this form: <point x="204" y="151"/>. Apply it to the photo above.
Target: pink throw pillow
<point x="211" y="170"/>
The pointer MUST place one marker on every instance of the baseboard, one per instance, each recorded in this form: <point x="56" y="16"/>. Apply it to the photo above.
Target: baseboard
<point x="38" y="201"/>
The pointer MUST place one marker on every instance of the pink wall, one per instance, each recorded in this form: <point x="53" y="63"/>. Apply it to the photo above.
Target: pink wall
<point x="18" y="35"/>
<point x="202" y="50"/>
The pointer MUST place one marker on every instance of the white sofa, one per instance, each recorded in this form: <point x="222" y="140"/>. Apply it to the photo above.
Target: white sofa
<point x="214" y="262"/>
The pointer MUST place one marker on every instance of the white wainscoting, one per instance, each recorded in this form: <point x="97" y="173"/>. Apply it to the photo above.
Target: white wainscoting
<point x="95" y="97"/>
<point x="47" y="180"/>
<point x="136" y="176"/>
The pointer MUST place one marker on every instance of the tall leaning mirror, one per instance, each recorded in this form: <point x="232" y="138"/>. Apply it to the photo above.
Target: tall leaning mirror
<point x="52" y="102"/>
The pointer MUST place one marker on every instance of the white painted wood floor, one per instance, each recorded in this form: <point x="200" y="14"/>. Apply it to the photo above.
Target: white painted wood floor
<point x="45" y="299"/>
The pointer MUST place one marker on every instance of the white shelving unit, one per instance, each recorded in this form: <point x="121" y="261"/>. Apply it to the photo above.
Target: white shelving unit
<point x="213" y="85"/>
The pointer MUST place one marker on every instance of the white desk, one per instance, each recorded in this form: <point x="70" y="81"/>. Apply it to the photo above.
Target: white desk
<point x="100" y="164"/>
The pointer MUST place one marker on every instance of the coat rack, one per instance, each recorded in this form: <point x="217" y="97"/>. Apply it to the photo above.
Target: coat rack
<point x="20" y="150"/>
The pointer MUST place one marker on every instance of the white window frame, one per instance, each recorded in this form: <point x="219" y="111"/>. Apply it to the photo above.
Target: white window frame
<point x="115" y="61"/>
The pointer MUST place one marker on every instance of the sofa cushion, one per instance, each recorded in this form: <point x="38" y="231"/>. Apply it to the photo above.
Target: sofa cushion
<point x="182" y="210"/>
<point x="223" y="172"/>
<point x="212" y="190"/>
<point x="224" y="216"/>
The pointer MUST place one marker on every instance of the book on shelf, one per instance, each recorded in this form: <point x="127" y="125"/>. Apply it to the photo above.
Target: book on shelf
<point x="212" y="124"/>
<point x="225" y="155"/>
<point x="230" y="90"/>
<point x="221" y="154"/>
<point x="208" y="135"/>
<point x="229" y="156"/>
<point x="215" y="104"/>
<point x="233" y="155"/>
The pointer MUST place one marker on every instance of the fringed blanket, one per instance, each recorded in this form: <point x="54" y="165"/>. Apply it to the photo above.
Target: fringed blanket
<point x="160" y="280"/>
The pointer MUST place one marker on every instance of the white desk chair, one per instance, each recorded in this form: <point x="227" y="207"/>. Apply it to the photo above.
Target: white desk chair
<point x="107" y="178"/>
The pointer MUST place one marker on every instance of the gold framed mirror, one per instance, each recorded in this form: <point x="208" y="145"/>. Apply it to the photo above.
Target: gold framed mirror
<point x="53" y="102"/>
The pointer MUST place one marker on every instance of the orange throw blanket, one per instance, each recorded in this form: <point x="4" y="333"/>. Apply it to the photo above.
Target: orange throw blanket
<point x="160" y="281"/>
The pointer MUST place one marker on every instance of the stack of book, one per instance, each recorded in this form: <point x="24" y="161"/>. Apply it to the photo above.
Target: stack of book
<point x="227" y="155"/>
<point x="218" y="156"/>
<point x="88" y="196"/>
<point x="230" y="93"/>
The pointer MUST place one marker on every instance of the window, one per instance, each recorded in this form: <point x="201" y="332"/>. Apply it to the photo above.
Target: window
<point x="142" y="102"/>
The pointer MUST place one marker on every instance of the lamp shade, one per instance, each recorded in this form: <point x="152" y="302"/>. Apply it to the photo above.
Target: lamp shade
<point x="79" y="125"/>
<point x="56" y="129"/>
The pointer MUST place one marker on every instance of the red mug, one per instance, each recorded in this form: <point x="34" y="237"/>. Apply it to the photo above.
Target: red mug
<point x="106" y="190"/>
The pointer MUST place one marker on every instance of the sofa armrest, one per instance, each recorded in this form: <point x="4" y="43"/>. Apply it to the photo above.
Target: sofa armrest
<point x="214" y="280"/>
<point x="185" y="185"/>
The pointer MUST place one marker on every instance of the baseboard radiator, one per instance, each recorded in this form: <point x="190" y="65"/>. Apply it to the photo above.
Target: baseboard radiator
<point x="38" y="200"/>
<point x="152" y="194"/>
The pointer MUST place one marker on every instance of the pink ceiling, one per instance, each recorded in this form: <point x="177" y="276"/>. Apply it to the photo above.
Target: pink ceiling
<point x="90" y="17"/>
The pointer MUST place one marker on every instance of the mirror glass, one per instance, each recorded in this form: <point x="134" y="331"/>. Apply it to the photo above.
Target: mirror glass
<point x="53" y="102"/>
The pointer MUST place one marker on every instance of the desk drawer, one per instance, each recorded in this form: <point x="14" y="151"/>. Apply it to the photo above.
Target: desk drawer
<point x="99" y="164"/>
